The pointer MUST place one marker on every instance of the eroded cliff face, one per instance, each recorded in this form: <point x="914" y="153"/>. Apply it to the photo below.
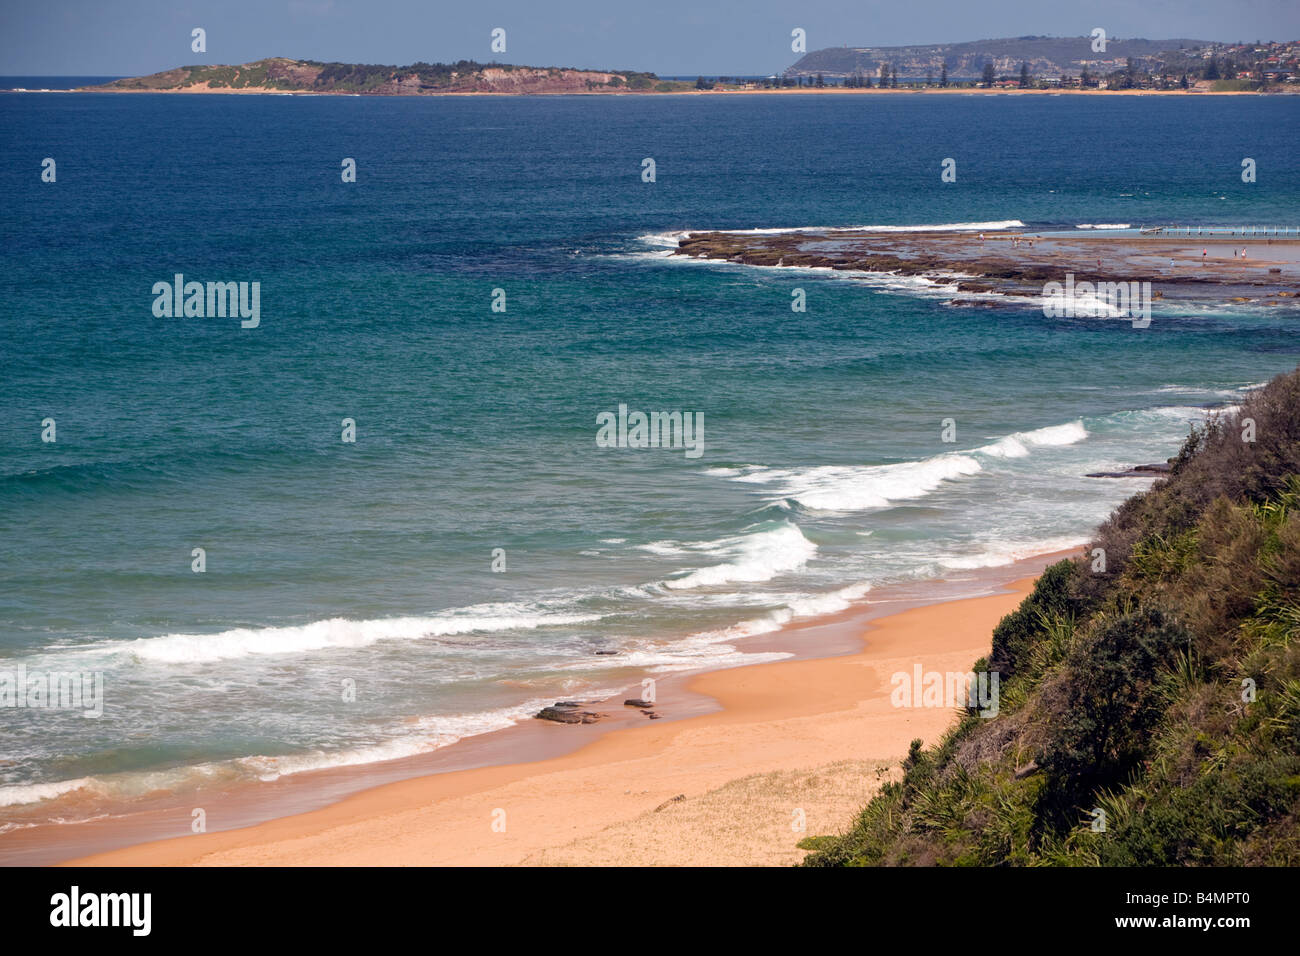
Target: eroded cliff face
<point x="531" y="80"/>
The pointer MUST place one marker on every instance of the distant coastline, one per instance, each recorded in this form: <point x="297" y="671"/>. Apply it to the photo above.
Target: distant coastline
<point x="287" y="76"/>
<point x="807" y="91"/>
<point x="1027" y="64"/>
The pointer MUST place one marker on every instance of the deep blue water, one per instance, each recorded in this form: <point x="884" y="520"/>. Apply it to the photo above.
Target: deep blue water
<point x="823" y="473"/>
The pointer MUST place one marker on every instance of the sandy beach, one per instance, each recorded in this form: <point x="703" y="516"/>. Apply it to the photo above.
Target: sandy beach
<point x="802" y="741"/>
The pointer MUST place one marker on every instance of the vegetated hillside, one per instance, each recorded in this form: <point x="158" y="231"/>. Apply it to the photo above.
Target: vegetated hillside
<point x="1043" y="55"/>
<point x="1163" y="691"/>
<point x="310" y="76"/>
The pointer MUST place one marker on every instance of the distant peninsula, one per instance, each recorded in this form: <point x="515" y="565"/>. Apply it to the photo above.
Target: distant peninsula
<point x="284" y="75"/>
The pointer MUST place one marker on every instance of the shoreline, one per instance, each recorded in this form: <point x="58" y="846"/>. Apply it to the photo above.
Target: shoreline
<point x="780" y="91"/>
<point x="724" y="726"/>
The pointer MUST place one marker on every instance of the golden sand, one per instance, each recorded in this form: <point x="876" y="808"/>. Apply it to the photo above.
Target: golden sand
<point x="803" y="741"/>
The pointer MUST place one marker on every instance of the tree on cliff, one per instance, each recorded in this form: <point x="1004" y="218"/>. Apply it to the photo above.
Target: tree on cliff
<point x="1024" y="74"/>
<point x="989" y="74"/>
<point x="943" y="75"/>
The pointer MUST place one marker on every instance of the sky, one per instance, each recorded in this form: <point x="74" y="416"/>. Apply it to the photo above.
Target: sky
<point x="668" y="37"/>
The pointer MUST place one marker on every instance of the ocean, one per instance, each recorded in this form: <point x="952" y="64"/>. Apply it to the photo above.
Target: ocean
<point x="475" y="553"/>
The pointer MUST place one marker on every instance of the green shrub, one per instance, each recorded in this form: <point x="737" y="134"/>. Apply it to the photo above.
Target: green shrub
<point x="1161" y="693"/>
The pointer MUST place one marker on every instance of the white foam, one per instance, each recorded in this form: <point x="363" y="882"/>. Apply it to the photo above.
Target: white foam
<point x="926" y="227"/>
<point x="423" y="735"/>
<point x="663" y="548"/>
<point x="755" y="557"/>
<point x="859" y="488"/>
<point x="339" y="632"/>
<point x="36" y="792"/>
<point x="1104" y="225"/>
<point x="932" y="285"/>
<point x="1016" y="445"/>
<point x="1001" y="553"/>
<point x="1179" y="412"/>
<point x="667" y="240"/>
<point x="706" y="650"/>
<point x="1227" y="392"/>
<point x="670" y="240"/>
<point x="1009" y="447"/>
<point x="688" y="657"/>
<point x="815" y="605"/>
<point x="1076" y="305"/>
<point x="715" y="648"/>
<point x="426" y="735"/>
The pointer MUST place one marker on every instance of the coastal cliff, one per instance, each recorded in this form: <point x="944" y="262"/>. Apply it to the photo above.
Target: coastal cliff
<point x="1150" y="690"/>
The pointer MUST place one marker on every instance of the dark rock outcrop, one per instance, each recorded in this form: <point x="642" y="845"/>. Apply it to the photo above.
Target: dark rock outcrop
<point x="567" y="712"/>
<point x="1137" y="471"/>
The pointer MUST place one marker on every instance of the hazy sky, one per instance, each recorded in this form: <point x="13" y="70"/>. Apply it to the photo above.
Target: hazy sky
<point x="129" y="37"/>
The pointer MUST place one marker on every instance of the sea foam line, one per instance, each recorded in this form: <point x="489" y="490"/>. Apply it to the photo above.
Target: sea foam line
<point x="865" y="487"/>
<point x="756" y="557"/>
<point x="672" y="238"/>
<point x="334" y="633"/>
<point x="424" y="735"/>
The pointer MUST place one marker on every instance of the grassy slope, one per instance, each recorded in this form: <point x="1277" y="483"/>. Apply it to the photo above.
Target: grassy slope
<point x="1127" y="689"/>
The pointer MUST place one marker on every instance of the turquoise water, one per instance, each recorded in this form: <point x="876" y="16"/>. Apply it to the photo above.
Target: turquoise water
<point x="824" y="475"/>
